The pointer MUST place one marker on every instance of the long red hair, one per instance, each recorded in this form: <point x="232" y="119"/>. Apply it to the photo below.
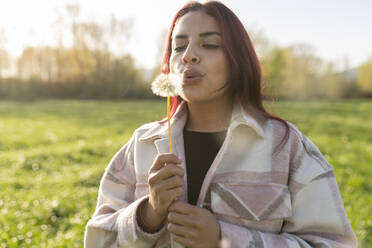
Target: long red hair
<point x="245" y="80"/>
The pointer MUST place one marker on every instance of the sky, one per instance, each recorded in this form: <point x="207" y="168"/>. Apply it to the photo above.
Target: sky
<point x="337" y="29"/>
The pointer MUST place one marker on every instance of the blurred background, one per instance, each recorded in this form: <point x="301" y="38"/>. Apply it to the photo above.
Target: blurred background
<point x="75" y="83"/>
<point x="112" y="49"/>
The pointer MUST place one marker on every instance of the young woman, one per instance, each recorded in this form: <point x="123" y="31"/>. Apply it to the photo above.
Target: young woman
<point x="237" y="175"/>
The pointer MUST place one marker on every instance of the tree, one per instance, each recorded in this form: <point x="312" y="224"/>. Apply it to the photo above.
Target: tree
<point x="273" y="66"/>
<point x="272" y="61"/>
<point x="302" y="72"/>
<point x="290" y="72"/>
<point x="4" y="55"/>
<point x="364" y="77"/>
<point x="331" y="81"/>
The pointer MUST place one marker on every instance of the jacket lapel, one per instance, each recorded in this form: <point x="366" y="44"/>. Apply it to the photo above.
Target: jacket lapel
<point x="162" y="145"/>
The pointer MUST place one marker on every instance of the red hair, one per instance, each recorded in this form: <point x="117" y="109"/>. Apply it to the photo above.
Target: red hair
<point x="245" y="80"/>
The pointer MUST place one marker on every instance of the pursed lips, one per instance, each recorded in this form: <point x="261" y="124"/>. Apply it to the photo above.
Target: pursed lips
<point x="191" y="75"/>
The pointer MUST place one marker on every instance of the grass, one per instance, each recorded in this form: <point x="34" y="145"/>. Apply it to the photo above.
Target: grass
<point x="53" y="154"/>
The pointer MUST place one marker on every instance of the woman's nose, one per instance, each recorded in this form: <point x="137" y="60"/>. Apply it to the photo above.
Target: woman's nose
<point x="190" y="56"/>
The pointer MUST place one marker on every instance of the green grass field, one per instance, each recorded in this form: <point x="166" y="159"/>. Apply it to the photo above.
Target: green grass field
<point x="53" y="154"/>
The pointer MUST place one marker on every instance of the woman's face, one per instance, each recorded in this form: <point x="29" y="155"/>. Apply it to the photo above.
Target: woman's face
<point x="198" y="58"/>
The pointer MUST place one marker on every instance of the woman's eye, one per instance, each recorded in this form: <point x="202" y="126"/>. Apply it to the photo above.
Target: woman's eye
<point x="179" y="48"/>
<point x="210" y="46"/>
<point x="207" y="46"/>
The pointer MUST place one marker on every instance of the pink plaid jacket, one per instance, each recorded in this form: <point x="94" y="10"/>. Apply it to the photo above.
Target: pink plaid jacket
<point x="261" y="198"/>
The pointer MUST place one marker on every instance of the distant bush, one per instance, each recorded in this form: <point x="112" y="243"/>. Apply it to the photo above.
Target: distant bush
<point x="121" y="79"/>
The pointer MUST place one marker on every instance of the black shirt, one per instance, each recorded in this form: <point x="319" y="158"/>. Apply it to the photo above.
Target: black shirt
<point x="200" y="150"/>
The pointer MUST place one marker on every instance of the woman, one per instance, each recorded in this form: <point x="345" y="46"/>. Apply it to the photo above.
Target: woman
<point x="238" y="174"/>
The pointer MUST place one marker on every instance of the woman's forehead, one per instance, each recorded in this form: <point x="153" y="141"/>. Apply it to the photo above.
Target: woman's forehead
<point x="195" y="22"/>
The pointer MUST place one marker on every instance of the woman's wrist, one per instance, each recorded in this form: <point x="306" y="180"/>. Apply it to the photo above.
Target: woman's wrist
<point x="147" y="219"/>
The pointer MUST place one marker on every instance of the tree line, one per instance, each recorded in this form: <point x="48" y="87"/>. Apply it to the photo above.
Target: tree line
<point x="90" y="68"/>
<point x="296" y="72"/>
<point x="86" y="69"/>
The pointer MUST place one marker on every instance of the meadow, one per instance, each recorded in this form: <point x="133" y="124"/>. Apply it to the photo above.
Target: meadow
<point x="53" y="154"/>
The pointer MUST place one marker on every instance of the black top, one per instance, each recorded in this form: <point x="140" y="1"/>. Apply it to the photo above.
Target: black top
<point x="200" y="150"/>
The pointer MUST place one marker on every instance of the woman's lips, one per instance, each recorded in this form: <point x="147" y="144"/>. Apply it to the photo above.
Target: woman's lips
<point x="191" y="76"/>
<point x="191" y="79"/>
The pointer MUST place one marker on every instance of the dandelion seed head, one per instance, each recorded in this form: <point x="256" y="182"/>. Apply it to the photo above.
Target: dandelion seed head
<point x="166" y="85"/>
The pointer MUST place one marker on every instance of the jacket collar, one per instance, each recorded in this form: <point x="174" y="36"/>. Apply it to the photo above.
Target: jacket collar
<point x="248" y="117"/>
<point x="239" y="117"/>
<point x="160" y="130"/>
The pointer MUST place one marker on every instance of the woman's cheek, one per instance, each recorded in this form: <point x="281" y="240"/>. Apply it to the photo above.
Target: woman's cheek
<point x="220" y="68"/>
<point x="174" y="63"/>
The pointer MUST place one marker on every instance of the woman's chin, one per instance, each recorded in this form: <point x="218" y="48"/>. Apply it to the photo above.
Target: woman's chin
<point x="192" y="97"/>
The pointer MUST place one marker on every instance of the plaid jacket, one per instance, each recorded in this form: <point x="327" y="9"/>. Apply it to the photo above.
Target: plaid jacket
<point x="262" y="197"/>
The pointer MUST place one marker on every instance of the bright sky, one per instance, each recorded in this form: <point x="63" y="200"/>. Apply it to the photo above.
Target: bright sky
<point x="336" y="28"/>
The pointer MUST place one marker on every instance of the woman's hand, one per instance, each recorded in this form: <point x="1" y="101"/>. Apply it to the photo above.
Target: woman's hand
<point x="165" y="185"/>
<point x="193" y="226"/>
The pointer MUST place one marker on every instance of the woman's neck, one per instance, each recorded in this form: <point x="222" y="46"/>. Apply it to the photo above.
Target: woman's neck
<point x="209" y="116"/>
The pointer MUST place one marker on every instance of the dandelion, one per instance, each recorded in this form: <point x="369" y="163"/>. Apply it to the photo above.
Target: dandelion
<point x="166" y="85"/>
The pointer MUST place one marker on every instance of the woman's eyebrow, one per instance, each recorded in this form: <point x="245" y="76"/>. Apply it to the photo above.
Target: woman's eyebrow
<point x="185" y="36"/>
<point x="210" y="33"/>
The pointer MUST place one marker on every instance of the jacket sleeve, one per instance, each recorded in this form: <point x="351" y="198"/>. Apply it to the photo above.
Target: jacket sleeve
<point x="114" y="222"/>
<point x="318" y="216"/>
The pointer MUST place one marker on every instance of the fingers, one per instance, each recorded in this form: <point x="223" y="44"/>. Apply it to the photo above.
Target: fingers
<point x="183" y="208"/>
<point x="199" y="228"/>
<point x="162" y="159"/>
<point x="160" y="200"/>
<point x="165" y="182"/>
<point x="164" y="166"/>
<point x="170" y="183"/>
<point x="183" y="220"/>
<point x="175" y="193"/>
<point x="168" y="191"/>
<point x="181" y="230"/>
<point x="183" y="241"/>
<point x="165" y="173"/>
